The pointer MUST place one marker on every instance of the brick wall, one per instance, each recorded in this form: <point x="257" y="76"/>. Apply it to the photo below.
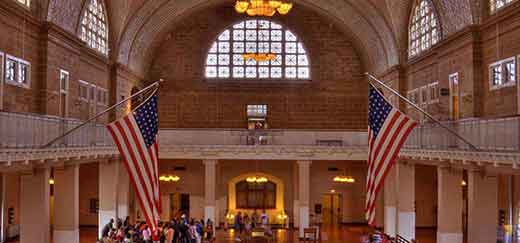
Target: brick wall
<point x="335" y="99"/>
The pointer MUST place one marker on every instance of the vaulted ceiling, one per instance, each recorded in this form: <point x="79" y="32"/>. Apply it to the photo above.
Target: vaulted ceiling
<point x="378" y="28"/>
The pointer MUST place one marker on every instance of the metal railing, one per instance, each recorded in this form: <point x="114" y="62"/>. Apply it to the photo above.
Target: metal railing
<point x="19" y="130"/>
<point x="499" y="134"/>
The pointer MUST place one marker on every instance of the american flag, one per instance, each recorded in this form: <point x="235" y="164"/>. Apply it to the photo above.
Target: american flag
<point x="136" y="138"/>
<point x="388" y="129"/>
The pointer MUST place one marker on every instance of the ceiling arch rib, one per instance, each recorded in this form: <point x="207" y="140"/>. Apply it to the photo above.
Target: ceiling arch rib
<point x="359" y="18"/>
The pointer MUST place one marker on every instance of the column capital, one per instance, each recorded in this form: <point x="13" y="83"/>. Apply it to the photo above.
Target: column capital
<point x="304" y="162"/>
<point x="210" y="161"/>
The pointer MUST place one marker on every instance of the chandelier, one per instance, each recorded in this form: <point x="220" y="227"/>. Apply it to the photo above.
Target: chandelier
<point x="263" y="7"/>
<point x="259" y="57"/>
<point x="169" y="178"/>
<point x="254" y="179"/>
<point x="344" y="179"/>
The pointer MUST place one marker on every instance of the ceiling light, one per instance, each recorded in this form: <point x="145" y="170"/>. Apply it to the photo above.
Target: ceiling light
<point x="169" y="178"/>
<point x="262" y="7"/>
<point x="344" y="179"/>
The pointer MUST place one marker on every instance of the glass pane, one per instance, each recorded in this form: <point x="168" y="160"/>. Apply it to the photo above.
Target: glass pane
<point x="291" y="60"/>
<point x="276" y="47"/>
<point x="238" y="60"/>
<point x="251" y="47"/>
<point x="303" y="72"/>
<point x="223" y="59"/>
<point x="302" y="60"/>
<point x="263" y="24"/>
<point x="276" y="72"/>
<point x="238" y="35"/>
<point x="250" y="72"/>
<point x="251" y="24"/>
<point x="251" y="35"/>
<point x="290" y="72"/>
<point x="238" y="47"/>
<point x="290" y="47"/>
<point x="276" y="35"/>
<point x="238" y="72"/>
<point x="223" y="72"/>
<point x="211" y="72"/>
<point x="263" y="47"/>
<point x="263" y="35"/>
<point x="263" y="72"/>
<point x="223" y="47"/>
<point x="277" y="61"/>
<point x="212" y="59"/>
<point x="289" y="36"/>
<point x="224" y="36"/>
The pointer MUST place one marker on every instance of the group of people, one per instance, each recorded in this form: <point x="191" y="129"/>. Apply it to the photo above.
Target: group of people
<point x="178" y="230"/>
<point x="243" y="224"/>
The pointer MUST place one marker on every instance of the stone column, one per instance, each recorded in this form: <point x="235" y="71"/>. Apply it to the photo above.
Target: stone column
<point x="304" y="177"/>
<point x="390" y="198"/>
<point x="449" y="221"/>
<point x="406" y="200"/>
<point x="108" y="178"/>
<point x="210" y="181"/>
<point x="66" y="203"/>
<point x="482" y="207"/>
<point x="34" y="207"/>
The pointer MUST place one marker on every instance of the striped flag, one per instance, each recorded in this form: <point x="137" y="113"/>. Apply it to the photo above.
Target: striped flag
<point x="388" y="129"/>
<point x="136" y="138"/>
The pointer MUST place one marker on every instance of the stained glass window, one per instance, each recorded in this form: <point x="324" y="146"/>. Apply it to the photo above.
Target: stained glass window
<point x="498" y="4"/>
<point x="287" y="56"/>
<point x="424" y="28"/>
<point x="94" y="26"/>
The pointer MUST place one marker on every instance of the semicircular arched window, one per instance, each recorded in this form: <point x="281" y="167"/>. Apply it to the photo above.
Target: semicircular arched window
<point x="424" y="28"/>
<point x="93" y="28"/>
<point x="257" y="49"/>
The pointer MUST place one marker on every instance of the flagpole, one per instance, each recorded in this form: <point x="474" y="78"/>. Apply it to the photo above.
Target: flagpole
<point x="422" y="111"/>
<point x="154" y="85"/>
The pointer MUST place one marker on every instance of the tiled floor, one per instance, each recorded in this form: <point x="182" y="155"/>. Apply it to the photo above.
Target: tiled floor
<point x="340" y="234"/>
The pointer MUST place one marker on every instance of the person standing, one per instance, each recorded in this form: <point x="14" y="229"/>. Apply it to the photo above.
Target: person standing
<point x="238" y="226"/>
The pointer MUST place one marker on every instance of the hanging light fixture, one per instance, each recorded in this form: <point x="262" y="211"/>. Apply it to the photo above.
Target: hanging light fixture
<point x="169" y="178"/>
<point x="266" y="8"/>
<point x="344" y="178"/>
<point x="259" y="57"/>
<point x="255" y="179"/>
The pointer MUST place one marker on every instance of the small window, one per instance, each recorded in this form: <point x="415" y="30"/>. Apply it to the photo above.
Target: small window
<point x="83" y="90"/>
<point x="64" y="81"/>
<point x="102" y="98"/>
<point x="10" y="70"/>
<point x="502" y="73"/>
<point x="92" y="93"/>
<point x="26" y="3"/>
<point x="496" y="5"/>
<point x="424" y="95"/>
<point x="17" y="72"/>
<point x="257" y="111"/>
<point x="434" y="92"/>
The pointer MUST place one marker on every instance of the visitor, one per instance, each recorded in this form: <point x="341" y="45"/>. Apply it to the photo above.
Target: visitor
<point x="264" y="218"/>
<point x="168" y="233"/>
<point x="254" y="219"/>
<point x="364" y="238"/>
<point x="147" y="236"/>
<point x="238" y="226"/>
<point x="106" y="229"/>
<point x="209" y="231"/>
<point x="247" y="227"/>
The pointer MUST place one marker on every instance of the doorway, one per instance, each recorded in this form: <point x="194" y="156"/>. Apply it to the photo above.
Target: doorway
<point x="331" y="208"/>
<point x="179" y="204"/>
<point x="454" y="97"/>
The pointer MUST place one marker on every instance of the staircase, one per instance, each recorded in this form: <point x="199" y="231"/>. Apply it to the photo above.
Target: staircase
<point x="399" y="239"/>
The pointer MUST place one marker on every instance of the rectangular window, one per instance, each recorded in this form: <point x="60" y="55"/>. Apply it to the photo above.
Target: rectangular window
<point x="257" y="111"/>
<point x="64" y="81"/>
<point x="83" y="90"/>
<point x="502" y="73"/>
<point x="424" y="95"/>
<point x="434" y="92"/>
<point x="10" y="70"/>
<point x="17" y="72"/>
<point x="92" y="93"/>
<point x="102" y="96"/>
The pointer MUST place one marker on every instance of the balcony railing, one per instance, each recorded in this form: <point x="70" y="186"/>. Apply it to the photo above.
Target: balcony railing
<point x="33" y="131"/>
<point x="501" y="134"/>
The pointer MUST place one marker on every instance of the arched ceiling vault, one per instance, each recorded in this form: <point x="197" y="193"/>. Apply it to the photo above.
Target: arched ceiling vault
<point x="359" y="19"/>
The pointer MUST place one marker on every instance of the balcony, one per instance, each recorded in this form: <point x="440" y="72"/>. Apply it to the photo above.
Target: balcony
<point x="491" y="135"/>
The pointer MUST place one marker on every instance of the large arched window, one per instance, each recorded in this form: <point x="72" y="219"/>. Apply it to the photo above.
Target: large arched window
<point x="424" y="28"/>
<point x="93" y="29"/>
<point x="257" y="49"/>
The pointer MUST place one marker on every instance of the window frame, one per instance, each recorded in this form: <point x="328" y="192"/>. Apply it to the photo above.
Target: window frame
<point x="502" y="65"/>
<point x="424" y="91"/>
<point x="104" y="92"/>
<point x="413" y="96"/>
<point x="433" y="88"/>
<point x="64" y="90"/>
<point x="245" y="80"/>
<point x="411" y="22"/>
<point x="17" y="81"/>
<point x="85" y="11"/>
<point x="86" y="85"/>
